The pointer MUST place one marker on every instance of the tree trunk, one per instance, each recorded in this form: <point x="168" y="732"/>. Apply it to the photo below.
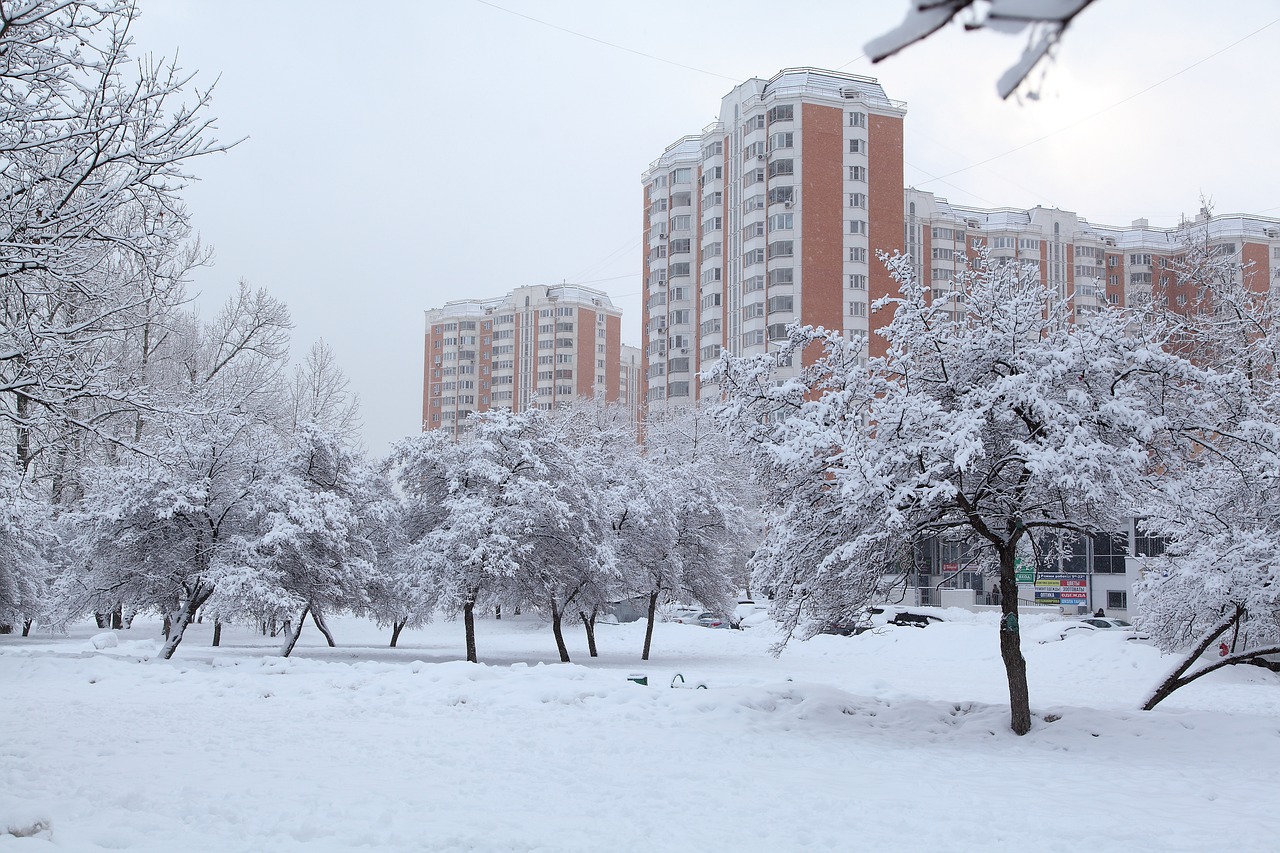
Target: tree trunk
<point x="318" y="618"/>
<point x="177" y="620"/>
<point x="217" y="632"/>
<point x="497" y="612"/>
<point x="101" y="620"/>
<point x="292" y="639"/>
<point x="648" y="631"/>
<point x="396" y="628"/>
<point x="117" y="617"/>
<point x="469" y="625"/>
<point x="1178" y="678"/>
<point x="589" y="622"/>
<point x="26" y="627"/>
<point x="271" y="626"/>
<point x="556" y="617"/>
<point x="167" y="624"/>
<point x="1015" y="665"/>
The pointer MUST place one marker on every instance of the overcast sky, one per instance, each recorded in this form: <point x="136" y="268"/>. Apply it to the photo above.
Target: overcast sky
<point x="403" y="154"/>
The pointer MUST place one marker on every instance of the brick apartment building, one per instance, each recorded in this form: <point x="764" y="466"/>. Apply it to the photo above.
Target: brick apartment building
<point x="540" y="345"/>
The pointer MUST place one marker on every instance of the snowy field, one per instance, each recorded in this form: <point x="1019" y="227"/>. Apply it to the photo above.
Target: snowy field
<point x="890" y="741"/>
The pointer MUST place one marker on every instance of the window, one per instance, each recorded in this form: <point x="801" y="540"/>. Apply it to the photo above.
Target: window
<point x="752" y="310"/>
<point x="711" y="300"/>
<point x="1109" y="551"/>
<point x="750" y="285"/>
<point x="785" y="275"/>
<point x="753" y="338"/>
<point x="755" y="202"/>
<point x="1146" y="544"/>
<point x="713" y="223"/>
<point x="679" y="269"/>
<point x="752" y="176"/>
<point x="857" y="226"/>
<point x="713" y="150"/>
<point x="678" y="365"/>
<point x="752" y="256"/>
<point x="1028" y="243"/>
<point x="942" y="274"/>
<point x="682" y="176"/>
<point x="777" y="332"/>
<point x="1117" y="599"/>
<point x="857" y="281"/>
<point x="753" y="123"/>
<point x="1113" y="281"/>
<point x="858" y="254"/>
<point x="857" y="199"/>
<point x="780" y="140"/>
<point x="1140" y="259"/>
<point x="781" y="249"/>
<point x="681" y="223"/>
<point x="752" y="229"/>
<point x="712" y="199"/>
<point x="1002" y="242"/>
<point x="943" y="234"/>
<point x="681" y="199"/>
<point x="781" y="303"/>
<point x="713" y="250"/>
<point x="858" y="173"/>
<point x="711" y="173"/>
<point x="679" y="293"/>
<point x="681" y="245"/>
<point x="857" y="119"/>
<point x="858" y="309"/>
<point x="782" y="112"/>
<point x="1140" y="278"/>
<point x="781" y="221"/>
<point x="678" y="389"/>
<point x="709" y="327"/>
<point x="710" y="352"/>
<point x="781" y="195"/>
<point x="680" y="317"/>
<point x="943" y="254"/>
<point x="782" y="167"/>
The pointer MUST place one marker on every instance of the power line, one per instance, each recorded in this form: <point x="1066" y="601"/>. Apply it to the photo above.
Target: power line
<point x="603" y="42"/>
<point x="1108" y="108"/>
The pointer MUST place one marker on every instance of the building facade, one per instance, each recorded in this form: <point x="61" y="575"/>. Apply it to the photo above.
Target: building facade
<point x="538" y="345"/>
<point x="772" y="214"/>
<point x="1085" y="263"/>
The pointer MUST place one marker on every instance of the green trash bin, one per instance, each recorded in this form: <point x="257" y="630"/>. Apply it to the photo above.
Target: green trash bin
<point x="637" y="678"/>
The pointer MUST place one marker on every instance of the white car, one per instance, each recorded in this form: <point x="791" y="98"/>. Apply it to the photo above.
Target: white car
<point x="1087" y="625"/>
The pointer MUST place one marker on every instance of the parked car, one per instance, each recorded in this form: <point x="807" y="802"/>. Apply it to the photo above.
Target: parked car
<point x="1088" y="625"/>
<point x="748" y="612"/>
<point x="703" y="618"/>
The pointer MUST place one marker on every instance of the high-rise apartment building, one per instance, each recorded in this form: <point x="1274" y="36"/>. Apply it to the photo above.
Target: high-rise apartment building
<point x="1086" y="263"/>
<point x="773" y="214"/>
<point x="540" y="345"/>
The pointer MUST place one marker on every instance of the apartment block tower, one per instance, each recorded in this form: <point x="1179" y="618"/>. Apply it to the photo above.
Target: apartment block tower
<point x="772" y="214"/>
<point x="1085" y="263"/>
<point x="538" y="345"/>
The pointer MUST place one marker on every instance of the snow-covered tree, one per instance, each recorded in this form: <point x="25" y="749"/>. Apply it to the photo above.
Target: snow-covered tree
<point x="1218" y="581"/>
<point x="95" y="148"/>
<point x="992" y="416"/>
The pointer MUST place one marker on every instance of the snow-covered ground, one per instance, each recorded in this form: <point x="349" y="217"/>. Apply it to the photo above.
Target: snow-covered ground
<point x="896" y="740"/>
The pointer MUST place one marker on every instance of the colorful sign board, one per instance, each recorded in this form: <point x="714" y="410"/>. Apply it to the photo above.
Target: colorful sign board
<point x="1025" y="571"/>
<point x="1061" y="588"/>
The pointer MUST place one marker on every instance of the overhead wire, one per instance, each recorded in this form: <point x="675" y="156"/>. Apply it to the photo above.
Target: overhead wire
<point x="1110" y="107"/>
<point x="605" y="43"/>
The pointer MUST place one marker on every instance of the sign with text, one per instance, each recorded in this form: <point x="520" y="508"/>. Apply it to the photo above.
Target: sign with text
<point x="1062" y="588"/>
